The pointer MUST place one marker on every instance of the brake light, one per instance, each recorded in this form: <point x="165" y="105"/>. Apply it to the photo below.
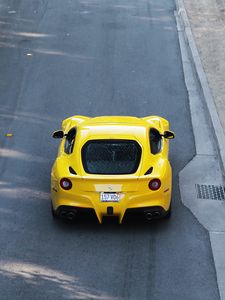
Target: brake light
<point x="154" y="184"/>
<point x="65" y="184"/>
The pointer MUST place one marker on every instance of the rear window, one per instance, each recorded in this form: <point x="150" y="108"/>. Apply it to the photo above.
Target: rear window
<point x="111" y="157"/>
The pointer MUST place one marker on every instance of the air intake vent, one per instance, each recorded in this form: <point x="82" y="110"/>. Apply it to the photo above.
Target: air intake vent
<point x="72" y="171"/>
<point x="149" y="171"/>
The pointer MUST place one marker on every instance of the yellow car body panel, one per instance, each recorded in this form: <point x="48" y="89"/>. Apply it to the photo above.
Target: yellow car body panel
<point x="133" y="189"/>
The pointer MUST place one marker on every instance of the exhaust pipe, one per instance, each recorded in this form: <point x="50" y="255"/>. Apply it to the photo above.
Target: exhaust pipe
<point x="63" y="214"/>
<point x="68" y="215"/>
<point x="71" y="215"/>
<point x="148" y="216"/>
<point x="157" y="214"/>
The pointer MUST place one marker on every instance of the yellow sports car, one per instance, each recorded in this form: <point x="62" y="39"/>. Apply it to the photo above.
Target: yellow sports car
<point x="112" y="166"/>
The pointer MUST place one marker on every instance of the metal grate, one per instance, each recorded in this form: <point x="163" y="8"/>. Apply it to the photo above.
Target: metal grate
<point x="212" y="192"/>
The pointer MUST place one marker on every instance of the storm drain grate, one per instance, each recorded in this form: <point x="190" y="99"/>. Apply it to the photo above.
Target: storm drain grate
<point x="213" y="192"/>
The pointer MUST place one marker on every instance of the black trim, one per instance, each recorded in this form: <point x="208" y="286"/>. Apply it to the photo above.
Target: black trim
<point x="109" y="210"/>
<point x="140" y="212"/>
<point x="155" y="139"/>
<point x="79" y="210"/>
<point x="149" y="171"/>
<point x="70" y="140"/>
<point x="72" y="171"/>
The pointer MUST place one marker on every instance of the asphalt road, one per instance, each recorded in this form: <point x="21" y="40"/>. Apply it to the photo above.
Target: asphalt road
<point x="91" y="57"/>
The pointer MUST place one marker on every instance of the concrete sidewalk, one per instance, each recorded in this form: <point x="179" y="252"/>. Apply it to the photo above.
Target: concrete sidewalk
<point x="201" y="26"/>
<point x="206" y="19"/>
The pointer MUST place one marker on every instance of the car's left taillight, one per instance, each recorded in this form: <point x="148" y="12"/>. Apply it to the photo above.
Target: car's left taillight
<point x="154" y="184"/>
<point x="65" y="183"/>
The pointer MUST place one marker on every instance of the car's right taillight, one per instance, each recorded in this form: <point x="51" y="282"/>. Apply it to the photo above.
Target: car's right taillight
<point x="65" y="183"/>
<point x="154" y="184"/>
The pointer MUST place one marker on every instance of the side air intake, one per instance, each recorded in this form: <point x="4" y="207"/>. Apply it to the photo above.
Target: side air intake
<point x="149" y="171"/>
<point x="72" y="171"/>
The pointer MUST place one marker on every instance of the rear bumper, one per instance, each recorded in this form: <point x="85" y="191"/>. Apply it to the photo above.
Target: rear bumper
<point x="134" y="193"/>
<point x="148" y="213"/>
<point x="156" y="204"/>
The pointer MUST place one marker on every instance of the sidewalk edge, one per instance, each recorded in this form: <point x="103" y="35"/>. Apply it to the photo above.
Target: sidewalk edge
<point x="204" y="86"/>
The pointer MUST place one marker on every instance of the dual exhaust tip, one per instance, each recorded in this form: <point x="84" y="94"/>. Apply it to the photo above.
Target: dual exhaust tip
<point x="69" y="215"/>
<point x="150" y="215"/>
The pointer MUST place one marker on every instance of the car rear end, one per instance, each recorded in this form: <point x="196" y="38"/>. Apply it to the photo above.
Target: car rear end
<point x="117" y="177"/>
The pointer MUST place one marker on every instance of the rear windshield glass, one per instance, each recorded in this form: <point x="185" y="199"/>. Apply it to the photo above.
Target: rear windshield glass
<point x="111" y="156"/>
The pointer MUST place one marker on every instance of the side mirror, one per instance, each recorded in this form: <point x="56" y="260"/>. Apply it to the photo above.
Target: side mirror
<point x="169" y="135"/>
<point x="59" y="134"/>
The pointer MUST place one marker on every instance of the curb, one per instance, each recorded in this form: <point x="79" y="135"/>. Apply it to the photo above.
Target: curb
<point x="208" y="134"/>
<point x="213" y="117"/>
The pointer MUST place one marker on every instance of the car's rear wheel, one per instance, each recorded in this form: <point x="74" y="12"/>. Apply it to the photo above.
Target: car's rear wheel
<point x="54" y="215"/>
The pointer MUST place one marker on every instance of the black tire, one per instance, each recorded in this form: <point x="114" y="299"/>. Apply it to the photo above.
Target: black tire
<point x="168" y="213"/>
<point x="54" y="215"/>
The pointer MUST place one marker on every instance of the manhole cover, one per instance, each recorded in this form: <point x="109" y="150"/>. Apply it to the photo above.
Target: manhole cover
<point x="212" y="192"/>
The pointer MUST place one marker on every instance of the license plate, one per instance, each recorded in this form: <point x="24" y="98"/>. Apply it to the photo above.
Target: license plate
<point x="109" y="197"/>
